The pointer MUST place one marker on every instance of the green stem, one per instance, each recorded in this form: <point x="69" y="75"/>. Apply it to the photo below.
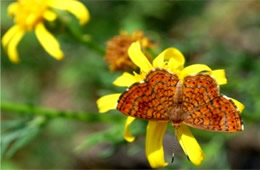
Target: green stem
<point x="91" y="44"/>
<point x="85" y="39"/>
<point x="52" y="113"/>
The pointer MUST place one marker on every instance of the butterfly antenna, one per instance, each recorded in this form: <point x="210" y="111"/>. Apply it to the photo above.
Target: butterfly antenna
<point x="172" y="157"/>
<point x="184" y="148"/>
<point x="188" y="157"/>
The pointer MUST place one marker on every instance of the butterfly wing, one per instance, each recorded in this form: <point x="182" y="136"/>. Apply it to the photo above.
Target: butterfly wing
<point x="164" y="85"/>
<point x="198" y="90"/>
<point x="205" y="109"/>
<point x="149" y="99"/>
<point x="220" y="115"/>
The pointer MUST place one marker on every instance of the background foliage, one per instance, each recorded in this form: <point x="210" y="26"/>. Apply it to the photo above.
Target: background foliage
<point x="221" y="34"/>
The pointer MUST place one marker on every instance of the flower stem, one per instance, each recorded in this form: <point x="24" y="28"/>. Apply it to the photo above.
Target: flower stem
<point x="85" y="39"/>
<point x="52" y="113"/>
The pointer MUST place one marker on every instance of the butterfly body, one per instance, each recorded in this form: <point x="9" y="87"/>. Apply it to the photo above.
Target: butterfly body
<point x="176" y="114"/>
<point x="194" y="101"/>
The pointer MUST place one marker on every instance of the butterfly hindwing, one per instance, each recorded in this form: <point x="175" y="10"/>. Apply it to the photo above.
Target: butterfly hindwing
<point x="220" y="114"/>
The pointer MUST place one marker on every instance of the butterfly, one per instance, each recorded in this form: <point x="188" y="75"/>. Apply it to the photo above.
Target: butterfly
<point x="195" y="101"/>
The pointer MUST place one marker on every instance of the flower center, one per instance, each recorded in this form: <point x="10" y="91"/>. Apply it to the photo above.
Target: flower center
<point x="30" y="12"/>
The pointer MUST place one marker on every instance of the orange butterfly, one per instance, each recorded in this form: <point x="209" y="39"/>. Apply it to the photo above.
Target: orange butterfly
<point x="195" y="102"/>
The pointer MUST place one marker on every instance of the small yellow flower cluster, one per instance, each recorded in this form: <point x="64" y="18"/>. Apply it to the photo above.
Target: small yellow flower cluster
<point x="29" y="15"/>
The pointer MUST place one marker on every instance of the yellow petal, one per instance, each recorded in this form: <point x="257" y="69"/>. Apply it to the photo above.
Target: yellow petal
<point x="219" y="76"/>
<point x="75" y="7"/>
<point x="171" y="54"/>
<point x="125" y="80"/>
<point x="9" y="35"/>
<point x="50" y="15"/>
<point x="127" y="135"/>
<point x="153" y="147"/>
<point x="239" y="105"/>
<point x="194" y="69"/>
<point x="49" y="43"/>
<point x="189" y="145"/>
<point x="12" y="8"/>
<point x="138" y="57"/>
<point x="159" y="60"/>
<point x="139" y="77"/>
<point x="12" y="46"/>
<point x="30" y="20"/>
<point x="108" y="102"/>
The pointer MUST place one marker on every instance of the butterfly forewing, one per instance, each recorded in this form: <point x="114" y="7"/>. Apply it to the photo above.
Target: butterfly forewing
<point x="198" y="90"/>
<point x="150" y="99"/>
<point x="164" y="85"/>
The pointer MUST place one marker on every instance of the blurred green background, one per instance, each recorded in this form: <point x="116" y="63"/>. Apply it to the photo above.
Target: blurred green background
<point x="221" y="34"/>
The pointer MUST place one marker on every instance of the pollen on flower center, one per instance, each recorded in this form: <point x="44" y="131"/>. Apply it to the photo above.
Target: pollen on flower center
<point x="29" y="13"/>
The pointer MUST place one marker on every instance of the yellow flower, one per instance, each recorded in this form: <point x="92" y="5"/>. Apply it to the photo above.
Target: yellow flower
<point x="172" y="60"/>
<point x="29" y="15"/>
<point x="116" y="51"/>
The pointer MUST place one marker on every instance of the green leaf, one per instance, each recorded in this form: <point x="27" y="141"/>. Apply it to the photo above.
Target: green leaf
<point x="112" y="135"/>
<point x="8" y="138"/>
<point x="22" y="141"/>
<point x="14" y="140"/>
<point x="12" y="124"/>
